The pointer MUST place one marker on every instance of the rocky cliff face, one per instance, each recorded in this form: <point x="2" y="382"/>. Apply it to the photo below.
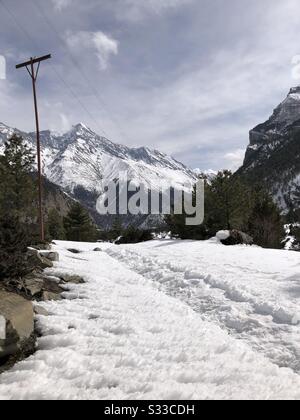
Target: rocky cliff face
<point x="273" y="155"/>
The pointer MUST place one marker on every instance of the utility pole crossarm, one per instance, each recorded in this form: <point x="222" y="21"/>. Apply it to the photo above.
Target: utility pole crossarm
<point x="34" y="74"/>
<point x="33" y="61"/>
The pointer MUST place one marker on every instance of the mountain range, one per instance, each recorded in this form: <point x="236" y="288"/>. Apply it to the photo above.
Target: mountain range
<point x="80" y="162"/>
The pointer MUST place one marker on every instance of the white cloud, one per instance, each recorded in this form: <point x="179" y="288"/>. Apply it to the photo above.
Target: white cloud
<point x="212" y="107"/>
<point x="65" y="123"/>
<point x="61" y="4"/>
<point x="137" y="10"/>
<point x="103" y="45"/>
<point x="61" y="125"/>
<point x="2" y="68"/>
<point x="235" y="159"/>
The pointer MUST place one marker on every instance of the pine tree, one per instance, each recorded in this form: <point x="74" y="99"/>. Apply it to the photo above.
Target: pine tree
<point x="116" y="229"/>
<point x="265" y="223"/>
<point x="17" y="193"/>
<point x="14" y="240"/>
<point x="55" y="226"/>
<point x="17" y="189"/>
<point x="227" y="202"/>
<point x="78" y="225"/>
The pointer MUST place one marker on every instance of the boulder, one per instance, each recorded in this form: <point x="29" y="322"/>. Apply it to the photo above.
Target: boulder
<point x="42" y="247"/>
<point x="16" y="323"/>
<point x="37" y="260"/>
<point x="52" y="285"/>
<point x="51" y="296"/>
<point x="50" y="255"/>
<point x="97" y="250"/>
<point x="39" y="310"/>
<point x="234" y="237"/>
<point x="33" y="285"/>
<point x="74" y="251"/>
<point x="69" y="278"/>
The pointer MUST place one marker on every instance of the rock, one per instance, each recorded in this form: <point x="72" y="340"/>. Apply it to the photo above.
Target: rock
<point x="37" y="260"/>
<point x="222" y="235"/>
<point x="74" y="251"/>
<point x="37" y="272"/>
<point x="52" y="285"/>
<point x="34" y="285"/>
<point x="51" y="296"/>
<point x="234" y="237"/>
<point x="50" y="255"/>
<point x="97" y="250"/>
<point x="39" y="310"/>
<point x="42" y="247"/>
<point x="16" y="323"/>
<point x="68" y="278"/>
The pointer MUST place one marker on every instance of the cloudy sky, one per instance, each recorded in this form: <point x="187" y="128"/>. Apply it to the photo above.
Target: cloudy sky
<point x="188" y="77"/>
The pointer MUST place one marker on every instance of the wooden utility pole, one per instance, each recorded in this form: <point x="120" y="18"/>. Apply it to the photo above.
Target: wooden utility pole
<point x="33" y="72"/>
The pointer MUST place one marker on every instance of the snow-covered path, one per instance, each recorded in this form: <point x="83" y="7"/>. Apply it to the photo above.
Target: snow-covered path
<point x="120" y="337"/>
<point x="252" y="292"/>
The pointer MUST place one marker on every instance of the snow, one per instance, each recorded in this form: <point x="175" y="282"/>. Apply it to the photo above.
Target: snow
<point x="167" y="320"/>
<point x="222" y="235"/>
<point x="251" y="292"/>
<point x="2" y="328"/>
<point x="295" y="96"/>
<point x="291" y="243"/>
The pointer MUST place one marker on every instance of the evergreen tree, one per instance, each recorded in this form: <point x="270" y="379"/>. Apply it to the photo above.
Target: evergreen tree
<point x="78" y="225"/>
<point x="55" y="226"/>
<point x="178" y="227"/>
<point x="14" y="240"/>
<point x="17" y="190"/>
<point x="116" y="230"/>
<point x="265" y="223"/>
<point x="17" y="194"/>
<point x="227" y="202"/>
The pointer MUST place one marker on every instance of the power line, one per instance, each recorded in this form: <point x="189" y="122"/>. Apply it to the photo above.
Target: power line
<point x="93" y="88"/>
<point x="21" y="28"/>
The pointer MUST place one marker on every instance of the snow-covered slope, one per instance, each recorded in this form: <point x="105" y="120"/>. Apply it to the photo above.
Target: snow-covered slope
<point x="166" y="321"/>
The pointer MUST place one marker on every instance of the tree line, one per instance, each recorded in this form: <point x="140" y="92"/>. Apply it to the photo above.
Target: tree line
<point x="233" y="203"/>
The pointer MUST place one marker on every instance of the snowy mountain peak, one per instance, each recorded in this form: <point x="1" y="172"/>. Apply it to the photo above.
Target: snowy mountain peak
<point x="81" y="129"/>
<point x="80" y="161"/>
<point x="294" y="90"/>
